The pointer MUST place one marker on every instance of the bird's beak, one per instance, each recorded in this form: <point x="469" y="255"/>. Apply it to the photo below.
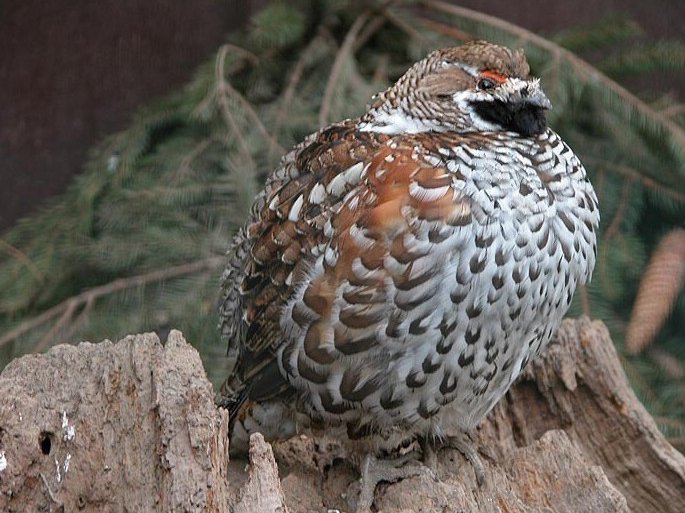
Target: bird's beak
<point x="532" y="94"/>
<point x="539" y="99"/>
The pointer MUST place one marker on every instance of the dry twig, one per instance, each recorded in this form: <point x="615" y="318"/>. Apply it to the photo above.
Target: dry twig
<point x="20" y="256"/>
<point x="343" y="53"/>
<point x="445" y="30"/>
<point x="373" y="26"/>
<point x="667" y="362"/>
<point x="221" y="92"/>
<point x="225" y="108"/>
<point x="405" y="27"/>
<point x="293" y="82"/>
<point x="69" y="306"/>
<point x="673" y="110"/>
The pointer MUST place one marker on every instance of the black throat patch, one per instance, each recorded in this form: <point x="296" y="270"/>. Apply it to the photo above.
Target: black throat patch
<point x="524" y="118"/>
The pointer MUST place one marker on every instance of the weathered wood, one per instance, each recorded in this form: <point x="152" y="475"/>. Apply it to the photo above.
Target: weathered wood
<point x="579" y="386"/>
<point x="132" y="426"/>
<point x="569" y="436"/>
<point x="112" y="427"/>
<point x="262" y="491"/>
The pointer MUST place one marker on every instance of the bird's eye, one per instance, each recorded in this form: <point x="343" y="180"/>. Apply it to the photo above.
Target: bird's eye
<point x="485" y="83"/>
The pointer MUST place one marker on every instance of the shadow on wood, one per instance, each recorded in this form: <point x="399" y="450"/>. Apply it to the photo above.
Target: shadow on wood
<point x="132" y="426"/>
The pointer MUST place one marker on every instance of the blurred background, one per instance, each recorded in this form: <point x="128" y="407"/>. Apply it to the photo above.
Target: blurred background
<point x="133" y="135"/>
<point x="73" y="72"/>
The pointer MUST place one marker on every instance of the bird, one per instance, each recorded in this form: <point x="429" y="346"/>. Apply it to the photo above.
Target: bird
<point x="398" y="270"/>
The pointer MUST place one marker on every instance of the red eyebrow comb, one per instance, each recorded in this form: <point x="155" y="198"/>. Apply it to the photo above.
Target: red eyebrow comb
<point x="493" y="75"/>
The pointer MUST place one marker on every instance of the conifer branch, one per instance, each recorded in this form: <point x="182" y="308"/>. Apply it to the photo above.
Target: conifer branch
<point x="293" y="82"/>
<point x="634" y="175"/>
<point x="445" y="30"/>
<point x="343" y="53"/>
<point x="673" y="110"/>
<point x="224" y="88"/>
<point x="66" y="308"/>
<point x="615" y="225"/>
<point x="184" y="167"/>
<point x="405" y="27"/>
<point x="21" y="257"/>
<point x="367" y="33"/>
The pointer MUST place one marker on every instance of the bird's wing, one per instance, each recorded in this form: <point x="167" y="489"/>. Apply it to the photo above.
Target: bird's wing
<point x="285" y="230"/>
<point x="375" y="284"/>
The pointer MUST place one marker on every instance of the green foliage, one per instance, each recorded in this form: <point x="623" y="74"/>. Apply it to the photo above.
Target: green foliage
<point x="605" y="32"/>
<point x="136" y="243"/>
<point x="280" y="25"/>
<point x="659" y="56"/>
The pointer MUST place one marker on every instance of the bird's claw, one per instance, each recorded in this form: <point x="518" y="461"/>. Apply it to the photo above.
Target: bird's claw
<point x="374" y="470"/>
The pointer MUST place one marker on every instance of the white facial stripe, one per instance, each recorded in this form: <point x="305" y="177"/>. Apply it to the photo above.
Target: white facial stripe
<point x="397" y="122"/>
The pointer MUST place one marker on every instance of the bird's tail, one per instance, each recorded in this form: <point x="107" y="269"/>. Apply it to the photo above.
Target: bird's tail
<point x="274" y="418"/>
<point x="232" y="396"/>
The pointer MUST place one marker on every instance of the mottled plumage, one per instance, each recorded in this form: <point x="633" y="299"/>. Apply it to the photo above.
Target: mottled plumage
<point x="399" y="270"/>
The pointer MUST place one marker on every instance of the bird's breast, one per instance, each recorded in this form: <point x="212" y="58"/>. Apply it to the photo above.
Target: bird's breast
<point x="426" y="311"/>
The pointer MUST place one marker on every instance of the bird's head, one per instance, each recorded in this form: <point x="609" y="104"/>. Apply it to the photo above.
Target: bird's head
<point x="478" y="86"/>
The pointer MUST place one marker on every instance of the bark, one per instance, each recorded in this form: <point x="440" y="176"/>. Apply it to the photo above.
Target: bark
<point x="131" y="426"/>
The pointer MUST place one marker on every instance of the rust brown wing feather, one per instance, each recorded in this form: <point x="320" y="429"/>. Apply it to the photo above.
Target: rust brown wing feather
<point x="286" y="226"/>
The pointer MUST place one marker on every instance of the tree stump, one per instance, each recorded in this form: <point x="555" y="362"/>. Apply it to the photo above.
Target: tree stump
<point x="132" y="426"/>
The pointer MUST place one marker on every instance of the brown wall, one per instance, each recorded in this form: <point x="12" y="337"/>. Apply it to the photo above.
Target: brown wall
<point x="73" y="71"/>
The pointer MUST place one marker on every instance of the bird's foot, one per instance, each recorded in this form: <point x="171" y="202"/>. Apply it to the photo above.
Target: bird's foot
<point x="374" y="470"/>
<point x="462" y="443"/>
